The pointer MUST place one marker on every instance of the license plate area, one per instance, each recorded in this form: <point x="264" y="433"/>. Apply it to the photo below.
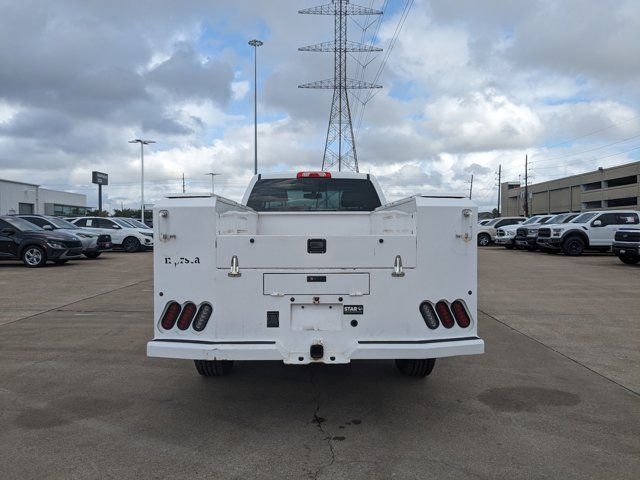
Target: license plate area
<point x="315" y="284"/>
<point x="320" y="317"/>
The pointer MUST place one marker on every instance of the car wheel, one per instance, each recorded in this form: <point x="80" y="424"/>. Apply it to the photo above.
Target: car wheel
<point x="573" y="246"/>
<point x="92" y="255"/>
<point x="131" y="244"/>
<point x="214" y="368"/>
<point x="416" y="367"/>
<point x="34" y="256"/>
<point x="630" y="259"/>
<point x="484" y="240"/>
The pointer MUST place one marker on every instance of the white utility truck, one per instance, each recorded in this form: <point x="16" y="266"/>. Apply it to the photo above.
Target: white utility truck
<point x="314" y="267"/>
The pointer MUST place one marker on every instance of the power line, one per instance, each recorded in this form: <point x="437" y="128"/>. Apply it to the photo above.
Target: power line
<point x="588" y="150"/>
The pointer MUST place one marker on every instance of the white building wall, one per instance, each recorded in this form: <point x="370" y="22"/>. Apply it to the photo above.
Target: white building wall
<point x="14" y="193"/>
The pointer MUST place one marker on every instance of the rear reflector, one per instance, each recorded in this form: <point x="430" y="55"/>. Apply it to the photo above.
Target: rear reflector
<point x="462" y="317"/>
<point x="313" y="175"/>
<point x="188" y="311"/>
<point x="170" y="315"/>
<point x="429" y="315"/>
<point x="445" y="314"/>
<point x="202" y="317"/>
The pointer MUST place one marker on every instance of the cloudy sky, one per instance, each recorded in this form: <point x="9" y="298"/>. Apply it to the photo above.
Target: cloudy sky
<point x="469" y="85"/>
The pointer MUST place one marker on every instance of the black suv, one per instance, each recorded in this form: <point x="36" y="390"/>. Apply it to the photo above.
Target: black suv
<point x="33" y="245"/>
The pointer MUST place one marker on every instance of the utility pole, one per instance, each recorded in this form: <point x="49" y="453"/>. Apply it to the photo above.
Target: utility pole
<point x="340" y="146"/>
<point x="526" y="185"/>
<point x="183" y="186"/>
<point x="471" y="187"/>
<point x="499" y="186"/>
<point x="255" y="44"/>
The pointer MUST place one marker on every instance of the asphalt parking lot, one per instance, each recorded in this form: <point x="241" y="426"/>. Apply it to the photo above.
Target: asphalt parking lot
<point x="557" y="395"/>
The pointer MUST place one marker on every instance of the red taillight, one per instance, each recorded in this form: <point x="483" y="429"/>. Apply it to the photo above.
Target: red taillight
<point x="188" y="311"/>
<point x="462" y="317"/>
<point x="170" y="316"/>
<point x="445" y="314"/>
<point x="314" y="175"/>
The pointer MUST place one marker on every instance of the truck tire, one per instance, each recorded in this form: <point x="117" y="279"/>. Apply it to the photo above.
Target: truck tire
<point x="573" y="246"/>
<point x="214" y="368"/>
<point x="484" y="240"/>
<point x="131" y="244"/>
<point x="629" y="259"/>
<point x="34" y="256"/>
<point x="416" y="367"/>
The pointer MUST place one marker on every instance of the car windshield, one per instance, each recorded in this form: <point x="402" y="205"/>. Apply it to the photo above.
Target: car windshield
<point x="22" y="225"/>
<point x="313" y="194"/>
<point x="544" y="220"/>
<point x="492" y="222"/>
<point x="59" y="223"/>
<point x="584" y="218"/>
<point x="556" y="219"/>
<point x="530" y="221"/>
<point x="122" y="223"/>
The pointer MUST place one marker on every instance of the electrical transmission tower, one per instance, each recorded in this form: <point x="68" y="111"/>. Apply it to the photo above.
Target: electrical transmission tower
<point x="340" y="146"/>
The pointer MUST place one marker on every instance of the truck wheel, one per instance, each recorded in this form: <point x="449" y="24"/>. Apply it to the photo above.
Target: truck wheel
<point x="214" y="368"/>
<point x="484" y="240"/>
<point x="573" y="246"/>
<point x="630" y="259"/>
<point x="416" y="368"/>
<point x="92" y="255"/>
<point x="34" y="256"/>
<point x="131" y="244"/>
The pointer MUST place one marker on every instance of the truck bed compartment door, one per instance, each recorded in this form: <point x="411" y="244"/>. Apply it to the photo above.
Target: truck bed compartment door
<point x="315" y="284"/>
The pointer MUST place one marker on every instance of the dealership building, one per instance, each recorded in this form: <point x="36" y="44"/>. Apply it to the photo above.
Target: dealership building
<point x="20" y="197"/>
<point x="602" y="189"/>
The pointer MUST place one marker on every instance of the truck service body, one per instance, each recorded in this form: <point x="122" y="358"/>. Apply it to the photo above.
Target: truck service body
<point x="314" y="267"/>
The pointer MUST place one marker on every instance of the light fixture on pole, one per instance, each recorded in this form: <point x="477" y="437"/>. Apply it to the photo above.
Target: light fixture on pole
<point x="213" y="176"/>
<point x="255" y="44"/>
<point x="142" y="144"/>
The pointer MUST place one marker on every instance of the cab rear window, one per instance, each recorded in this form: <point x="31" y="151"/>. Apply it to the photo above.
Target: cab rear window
<point x="313" y="195"/>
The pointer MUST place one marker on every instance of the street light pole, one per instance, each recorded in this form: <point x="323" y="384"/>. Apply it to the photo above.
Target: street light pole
<point x="142" y="144"/>
<point x="255" y="44"/>
<point x="213" y="175"/>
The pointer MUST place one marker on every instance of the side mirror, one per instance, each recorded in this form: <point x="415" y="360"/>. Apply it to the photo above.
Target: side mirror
<point x="47" y="227"/>
<point x="596" y="223"/>
<point x="7" y="231"/>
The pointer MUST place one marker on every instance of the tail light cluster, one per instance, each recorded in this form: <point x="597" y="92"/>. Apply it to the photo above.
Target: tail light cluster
<point x="443" y="313"/>
<point x="186" y="315"/>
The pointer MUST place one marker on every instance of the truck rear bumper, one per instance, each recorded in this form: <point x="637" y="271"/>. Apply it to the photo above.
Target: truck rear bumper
<point x="362" y="350"/>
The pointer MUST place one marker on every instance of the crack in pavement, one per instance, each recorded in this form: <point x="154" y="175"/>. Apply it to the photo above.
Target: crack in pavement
<point x="318" y="420"/>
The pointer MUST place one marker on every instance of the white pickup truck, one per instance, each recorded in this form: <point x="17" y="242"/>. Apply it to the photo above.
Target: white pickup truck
<point x="313" y="267"/>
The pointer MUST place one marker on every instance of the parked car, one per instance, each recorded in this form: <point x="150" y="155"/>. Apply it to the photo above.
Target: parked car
<point x="526" y="236"/>
<point x="134" y="222"/>
<point x="22" y="240"/>
<point x="506" y="236"/>
<point x="123" y="234"/>
<point x="626" y="245"/>
<point x="588" y="231"/>
<point x="484" y="222"/>
<point x="487" y="233"/>
<point x="93" y="244"/>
